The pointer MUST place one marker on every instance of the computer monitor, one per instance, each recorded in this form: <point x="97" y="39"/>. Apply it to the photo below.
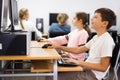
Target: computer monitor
<point x="3" y="14"/>
<point x="0" y="12"/>
<point x="114" y="23"/>
<point x="52" y="18"/>
<point x="39" y="24"/>
<point x="13" y="14"/>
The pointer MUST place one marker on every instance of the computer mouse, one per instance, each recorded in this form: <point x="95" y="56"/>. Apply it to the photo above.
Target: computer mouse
<point x="39" y="40"/>
<point x="46" y="45"/>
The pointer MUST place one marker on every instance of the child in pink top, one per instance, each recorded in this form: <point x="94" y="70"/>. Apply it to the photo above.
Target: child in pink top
<point x="76" y="37"/>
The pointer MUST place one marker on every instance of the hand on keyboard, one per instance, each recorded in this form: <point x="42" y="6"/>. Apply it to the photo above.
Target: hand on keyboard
<point x="62" y="62"/>
<point x="65" y="56"/>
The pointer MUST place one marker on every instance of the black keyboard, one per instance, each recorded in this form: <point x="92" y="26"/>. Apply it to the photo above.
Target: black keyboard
<point x="62" y="62"/>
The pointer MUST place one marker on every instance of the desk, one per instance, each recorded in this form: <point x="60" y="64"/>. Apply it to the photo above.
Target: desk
<point x="36" y="53"/>
<point x="36" y="67"/>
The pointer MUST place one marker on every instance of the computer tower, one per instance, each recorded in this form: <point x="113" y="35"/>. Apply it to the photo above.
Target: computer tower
<point x="17" y="43"/>
<point x="39" y="24"/>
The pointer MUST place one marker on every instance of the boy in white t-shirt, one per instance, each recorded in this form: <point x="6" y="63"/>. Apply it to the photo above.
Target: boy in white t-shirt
<point x="100" y="49"/>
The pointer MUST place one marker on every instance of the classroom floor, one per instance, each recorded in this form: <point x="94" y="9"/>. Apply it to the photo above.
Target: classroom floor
<point x="43" y="78"/>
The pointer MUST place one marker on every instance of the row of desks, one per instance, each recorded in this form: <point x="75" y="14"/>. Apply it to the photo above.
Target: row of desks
<point x="43" y="60"/>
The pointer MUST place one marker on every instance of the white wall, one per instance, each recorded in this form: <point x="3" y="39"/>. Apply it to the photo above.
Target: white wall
<point x="42" y="8"/>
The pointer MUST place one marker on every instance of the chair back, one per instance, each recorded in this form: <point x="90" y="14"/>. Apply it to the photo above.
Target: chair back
<point x="115" y="54"/>
<point x="55" y="34"/>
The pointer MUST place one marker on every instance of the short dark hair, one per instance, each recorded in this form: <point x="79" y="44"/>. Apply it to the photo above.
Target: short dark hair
<point x="107" y="15"/>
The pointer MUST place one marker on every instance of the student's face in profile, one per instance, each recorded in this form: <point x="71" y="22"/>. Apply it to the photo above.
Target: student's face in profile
<point x="26" y="16"/>
<point x="96" y="21"/>
<point x="75" y="21"/>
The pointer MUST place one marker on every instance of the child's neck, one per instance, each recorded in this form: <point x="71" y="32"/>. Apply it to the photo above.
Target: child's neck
<point x="100" y="32"/>
<point x="80" y="28"/>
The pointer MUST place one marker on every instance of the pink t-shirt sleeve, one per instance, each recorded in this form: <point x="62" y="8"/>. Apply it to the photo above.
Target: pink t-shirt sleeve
<point x="77" y="37"/>
<point x="83" y="38"/>
<point x="58" y="40"/>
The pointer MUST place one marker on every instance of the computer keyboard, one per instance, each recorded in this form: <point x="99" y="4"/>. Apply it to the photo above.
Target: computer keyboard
<point x="62" y="62"/>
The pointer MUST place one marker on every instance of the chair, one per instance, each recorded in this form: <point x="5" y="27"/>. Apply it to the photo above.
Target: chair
<point x="117" y="65"/>
<point x="33" y="35"/>
<point x="91" y="36"/>
<point x="115" y="62"/>
<point x="55" y="34"/>
<point x="117" y="58"/>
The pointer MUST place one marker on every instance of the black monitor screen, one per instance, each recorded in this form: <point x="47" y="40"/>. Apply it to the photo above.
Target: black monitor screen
<point x="3" y="14"/>
<point x="52" y="18"/>
<point x="114" y="23"/>
<point x="88" y="19"/>
<point x="0" y="12"/>
<point x="13" y="13"/>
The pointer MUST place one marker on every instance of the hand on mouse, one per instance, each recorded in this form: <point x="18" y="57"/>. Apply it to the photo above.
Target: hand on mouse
<point x="54" y="46"/>
<point x="45" y="40"/>
<point x="46" y="45"/>
<point x="42" y="40"/>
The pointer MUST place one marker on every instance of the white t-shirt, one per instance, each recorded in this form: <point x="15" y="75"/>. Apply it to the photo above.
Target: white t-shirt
<point x="29" y="26"/>
<point x="99" y="47"/>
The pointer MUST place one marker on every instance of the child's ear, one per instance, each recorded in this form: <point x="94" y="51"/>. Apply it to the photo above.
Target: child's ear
<point x="80" y="21"/>
<point x="105" y="23"/>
